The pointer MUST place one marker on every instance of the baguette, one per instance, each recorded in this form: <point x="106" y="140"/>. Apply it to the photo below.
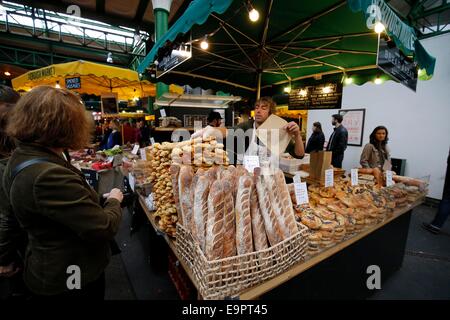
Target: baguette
<point x="229" y="220"/>
<point x="215" y="223"/>
<point x="200" y="211"/>
<point x="184" y="186"/>
<point x="244" y="238"/>
<point x="258" y="229"/>
<point x="174" y="171"/>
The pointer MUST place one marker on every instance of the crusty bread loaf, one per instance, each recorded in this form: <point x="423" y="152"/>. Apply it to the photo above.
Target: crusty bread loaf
<point x="229" y="236"/>
<point x="286" y="202"/>
<point x="258" y="229"/>
<point x="184" y="186"/>
<point x="244" y="238"/>
<point x="273" y="231"/>
<point x="275" y="200"/>
<point x="174" y="171"/>
<point x="215" y="223"/>
<point x="200" y="210"/>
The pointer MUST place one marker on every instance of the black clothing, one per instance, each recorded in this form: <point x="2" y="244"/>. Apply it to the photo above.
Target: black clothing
<point x="315" y="142"/>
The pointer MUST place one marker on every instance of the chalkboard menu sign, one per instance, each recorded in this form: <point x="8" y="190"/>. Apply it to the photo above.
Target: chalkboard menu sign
<point x="91" y="177"/>
<point x="321" y="96"/>
<point x="73" y="83"/>
<point x="393" y="62"/>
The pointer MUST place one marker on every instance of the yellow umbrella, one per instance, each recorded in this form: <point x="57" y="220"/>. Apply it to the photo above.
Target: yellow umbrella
<point x="87" y="77"/>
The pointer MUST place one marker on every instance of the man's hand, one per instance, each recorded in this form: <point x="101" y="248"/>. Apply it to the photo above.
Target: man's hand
<point x="292" y="128"/>
<point x="8" y="271"/>
<point x="115" y="194"/>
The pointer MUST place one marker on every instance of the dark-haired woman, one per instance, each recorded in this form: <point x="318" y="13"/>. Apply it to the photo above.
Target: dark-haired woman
<point x="317" y="139"/>
<point x="376" y="153"/>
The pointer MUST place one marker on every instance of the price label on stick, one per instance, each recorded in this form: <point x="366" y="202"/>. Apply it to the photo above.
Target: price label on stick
<point x="152" y="140"/>
<point x="251" y="162"/>
<point x="389" y="181"/>
<point x="297" y="178"/>
<point x="143" y="154"/>
<point x="355" y="177"/>
<point x="135" y="149"/>
<point x="131" y="181"/>
<point x="329" y="178"/>
<point x="301" y="192"/>
<point x="163" y="113"/>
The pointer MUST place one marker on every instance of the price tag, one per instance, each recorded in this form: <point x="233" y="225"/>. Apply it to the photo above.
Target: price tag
<point x="198" y="125"/>
<point x="389" y="181"/>
<point x="251" y="162"/>
<point x="143" y="154"/>
<point x="297" y="178"/>
<point x="110" y="159"/>
<point x="135" y="149"/>
<point x="163" y="113"/>
<point x="131" y="181"/>
<point x="329" y="178"/>
<point x="301" y="193"/>
<point x="355" y="177"/>
<point x="152" y="140"/>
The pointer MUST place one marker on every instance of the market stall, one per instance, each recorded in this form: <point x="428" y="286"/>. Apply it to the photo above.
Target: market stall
<point x="243" y="234"/>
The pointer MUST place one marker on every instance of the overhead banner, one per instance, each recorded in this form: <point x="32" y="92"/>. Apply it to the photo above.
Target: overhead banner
<point x="393" y="62"/>
<point x="322" y="96"/>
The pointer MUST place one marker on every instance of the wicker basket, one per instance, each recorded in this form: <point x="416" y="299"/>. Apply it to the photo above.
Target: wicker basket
<point x="225" y="278"/>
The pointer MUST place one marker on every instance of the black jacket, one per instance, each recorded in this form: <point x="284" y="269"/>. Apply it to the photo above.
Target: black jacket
<point x="315" y="142"/>
<point x="338" y="143"/>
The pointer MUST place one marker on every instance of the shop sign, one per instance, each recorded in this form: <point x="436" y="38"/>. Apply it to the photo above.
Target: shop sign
<point x="172" y="60"/>
<point x="321" y="96"/>
<point x="41" y="73"/>
<point x="393" y="62"/>
<point x="91" y="177"/>
<point x="73" y="83"/>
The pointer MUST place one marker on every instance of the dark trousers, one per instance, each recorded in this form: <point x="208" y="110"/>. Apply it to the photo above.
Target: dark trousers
<point x="442" y="214"/>
<point x="336" y="160"/>
<point x="92" y="291"/>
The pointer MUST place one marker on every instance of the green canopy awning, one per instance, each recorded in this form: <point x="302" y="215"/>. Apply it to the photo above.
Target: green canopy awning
<point x="292" y="40"/>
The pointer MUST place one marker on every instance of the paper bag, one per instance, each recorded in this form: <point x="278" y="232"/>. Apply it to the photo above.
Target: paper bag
<point x="272" y="134"/>
<point x="319" y="162"/>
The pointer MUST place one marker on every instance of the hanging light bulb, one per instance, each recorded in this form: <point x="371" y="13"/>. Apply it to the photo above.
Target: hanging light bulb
<point x="378" y="80"/>
<point x="379" y="27"/>
<point x="7" y="73"/>
<point x="57" y="86"/>
<point x="253" y="15"/>
<point x="287" y="89"/>
<point x="204" y="44"/>
<point x="348" y="80"/>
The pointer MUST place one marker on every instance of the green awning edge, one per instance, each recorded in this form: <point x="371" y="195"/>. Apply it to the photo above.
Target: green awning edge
<point x="197" y="13"/>
<point x="408" y="43"/>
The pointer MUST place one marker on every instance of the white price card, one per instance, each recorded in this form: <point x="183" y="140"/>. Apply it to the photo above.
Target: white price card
<point x="389" y="181"/>
<point x="131" y="181"/>
<point x="110" y="159"/>
<point x="152" y="140"/>
<point x="251" y="162"/>
<point x="355" y="177"/>
<point x="296" y="178"/>
<point x="163" y="113"/>
<point x="143" y="154"/>
<point x="135" y="149"/>
<point x="301" y="193"/>
<point x="329" y="178"/>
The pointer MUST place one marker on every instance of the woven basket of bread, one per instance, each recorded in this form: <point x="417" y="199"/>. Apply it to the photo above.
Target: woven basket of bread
<point x="226" y="278"/>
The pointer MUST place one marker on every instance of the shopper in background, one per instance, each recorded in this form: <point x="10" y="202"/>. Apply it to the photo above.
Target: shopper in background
<point x="129" y="133"/>
<point x="115" y="137"/>
<point x="317" y="139"/>
<point x="143" y="133"/>
<point x="444" y="207"/>
<point x="12" y="237"/>
<point x="338" y="141"/>
<point x="214" y="119"/>
<point x="68" y="230"/>
<point x="376" y="153"/>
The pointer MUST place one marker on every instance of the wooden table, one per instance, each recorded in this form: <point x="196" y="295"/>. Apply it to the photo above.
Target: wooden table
<point x="392" y="252"/>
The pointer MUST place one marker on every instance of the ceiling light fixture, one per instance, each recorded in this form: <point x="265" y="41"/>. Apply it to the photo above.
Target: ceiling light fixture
<point x="253" y="14"/>
<point x="204" y="44"/>
<point x="348" y="80"/>
<point x="57" y="86"/>
<point x="379" y="27"/>
<point x="7" y="73"/>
